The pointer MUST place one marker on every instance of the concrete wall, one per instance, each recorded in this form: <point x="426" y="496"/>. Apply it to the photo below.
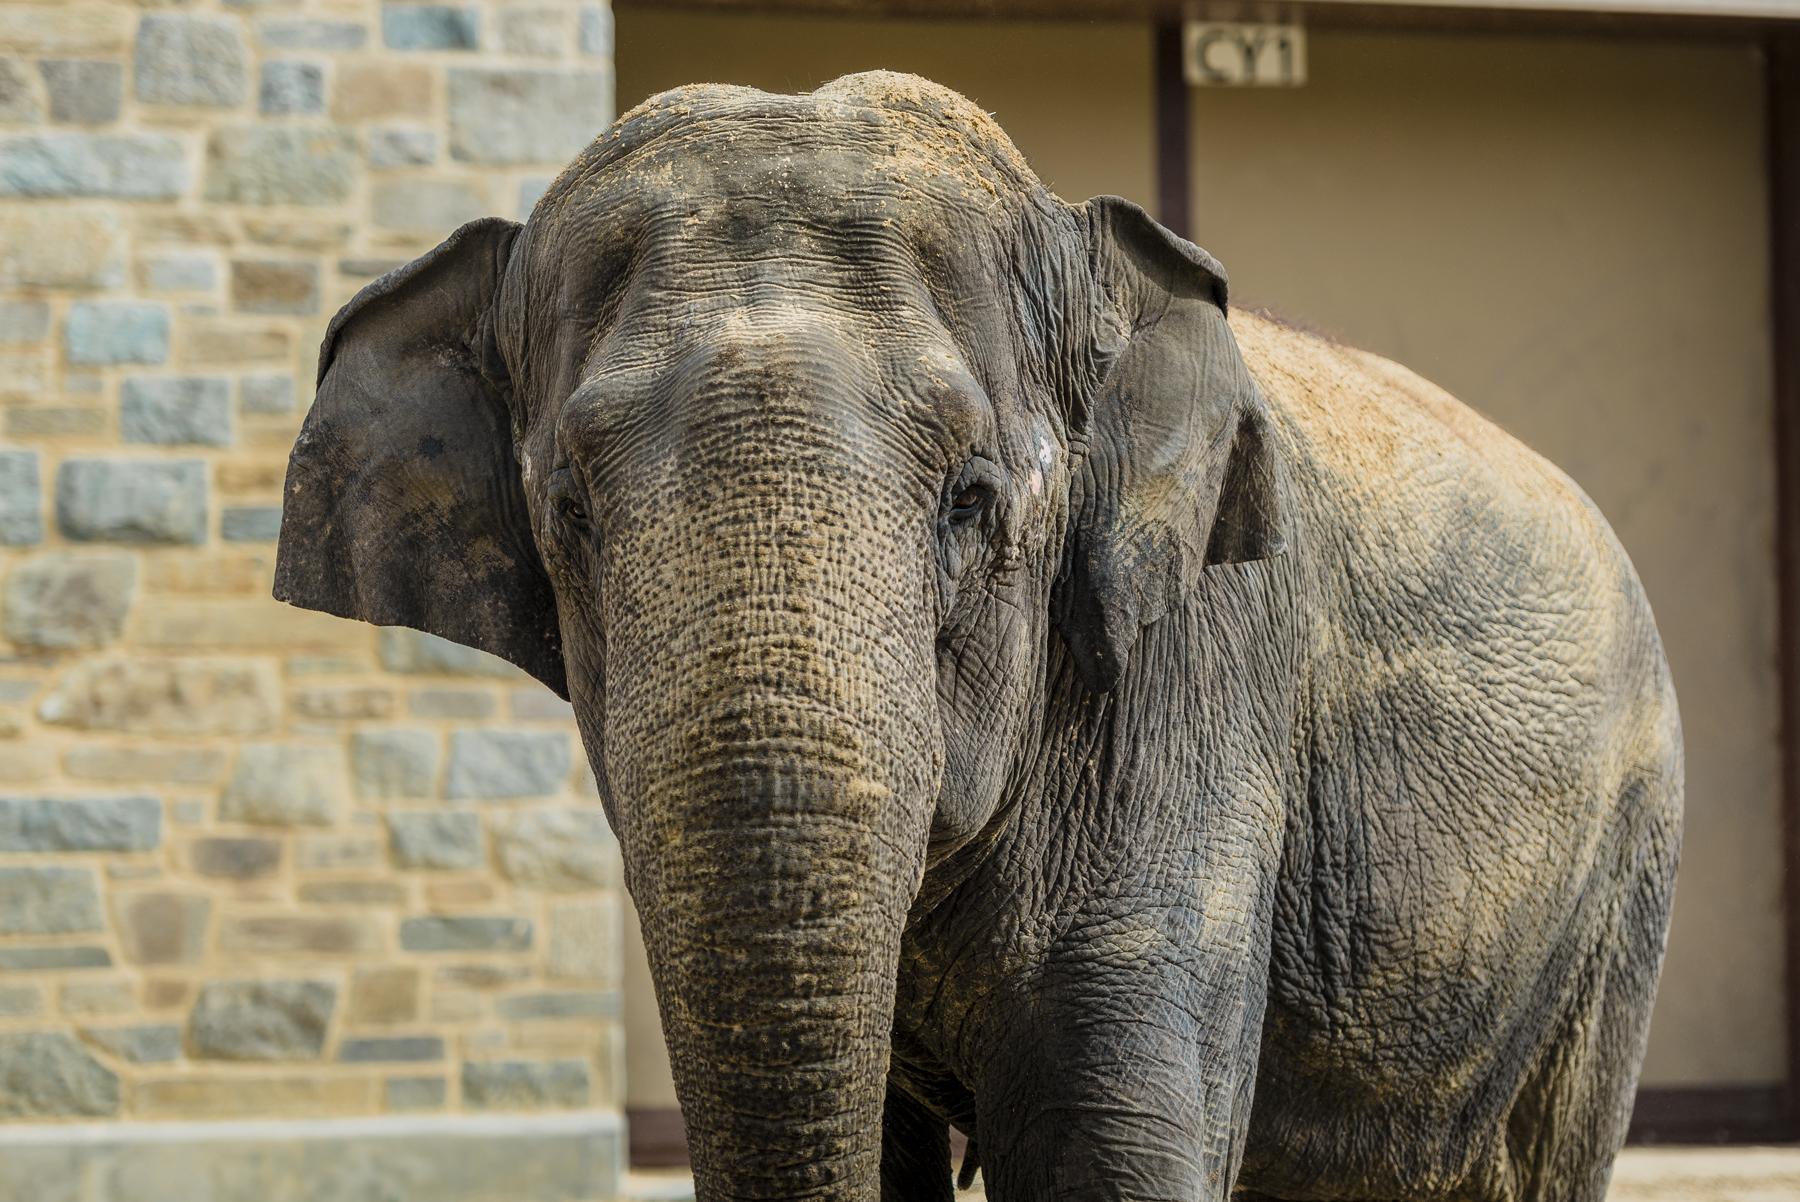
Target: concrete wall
<point x="258" y="864"/>
<point x="1567" y="234"/>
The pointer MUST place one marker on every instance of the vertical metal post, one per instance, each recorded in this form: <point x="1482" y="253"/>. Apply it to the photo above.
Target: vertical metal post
<point x="1174" y="178"/>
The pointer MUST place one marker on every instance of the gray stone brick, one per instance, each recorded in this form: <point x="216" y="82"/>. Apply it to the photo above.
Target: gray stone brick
<point x="21" y="1001"/>
<point x="291" y="87"/>
<point x="535" y="703"/>
<point x="280" y="164"/>
<point x="44" y="824"/>
<point x="250" y="523"/>
<point x="584" y="940"/>
<point x="415" y="652"/>
<point x="47" y="1074"/>
<point x="463" y="704"/>
<point x="82" y="91"/>
<point x="596" y="23"/>
<point x="176" y="410"/>
<point x="391" y="1048"/>
<point x="21" y="499"/>
<point x="573" y="1003"/>
<point x="285" y="784"/>
<point x="435" y="839"/>
<point x="69" y="600"/>
<point x="524" y="1084"/>
<point x="160" y="926"/>
<point x="101" y="333"/>
<point x="53" y="959"/>
<point x="20" y="103"/>
<point x="185" y="59"/>
<point x="417" y="1093"/>
<point x="388" y="764"/>
<point x="413" y="26"/>
<point x="132" y="500"/>
<point x="235" y="858"/>
<point x="113" y="166"/>
<point x="261" y="1020"/>
<point x="489" y="765"/>
<point x="465" y="933"/>
<point x="151" y="1043"/>
<point x="24" y="321"/>
<point x="402" y="147"/>
<point x="557" y="849"/>
<point x="509" y="116"/>
<point x="535" y="32"/>
<point x="48" y="901"/>
<point x="288" y="33"/>
<point x="181" y="273"/>
<point x="266" y="394"/>
<point x="431" y="206"/>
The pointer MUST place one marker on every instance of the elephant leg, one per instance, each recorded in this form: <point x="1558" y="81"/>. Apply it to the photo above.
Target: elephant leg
<point x="915" y="1151"/>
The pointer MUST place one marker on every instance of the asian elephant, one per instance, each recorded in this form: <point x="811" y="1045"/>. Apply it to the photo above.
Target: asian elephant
<point x="1180" y="752"/>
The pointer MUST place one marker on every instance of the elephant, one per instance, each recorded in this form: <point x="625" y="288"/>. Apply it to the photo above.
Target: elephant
<point x="1190" y="757"/>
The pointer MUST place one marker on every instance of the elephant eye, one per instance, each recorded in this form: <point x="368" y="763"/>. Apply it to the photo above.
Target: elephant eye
<point x="972" y="493"/>
<point x="967" y="505"/>
<point x="565" y="497"/>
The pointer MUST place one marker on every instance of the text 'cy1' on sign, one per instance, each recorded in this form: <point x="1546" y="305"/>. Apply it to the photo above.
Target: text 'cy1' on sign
<point x="1236" y="55"/>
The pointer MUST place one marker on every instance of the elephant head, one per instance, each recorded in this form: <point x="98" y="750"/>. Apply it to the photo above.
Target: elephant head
<point x="783" y="440"/>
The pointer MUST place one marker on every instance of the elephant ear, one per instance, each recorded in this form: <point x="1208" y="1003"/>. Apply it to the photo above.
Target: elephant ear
<point x="1179" y="469"/>
<point x="404" y="505"/>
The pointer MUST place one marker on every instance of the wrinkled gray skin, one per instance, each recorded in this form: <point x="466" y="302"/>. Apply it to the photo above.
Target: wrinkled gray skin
<point x="1177" y="752"/>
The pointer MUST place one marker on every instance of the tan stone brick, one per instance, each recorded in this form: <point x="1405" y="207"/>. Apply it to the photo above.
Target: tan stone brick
<point x="277" y="437"/>
<point x="497" y="975"/>
<point x="238" y="625"/>
<point x="27" y="763"/>
<point x="262" y="286"/>
<point x="290" y="934"/>
<point x="253" y="1097"/>
<point x="161" y="927"/>
<point x="451" y="894"/>
<point x="24" y="372"/>
<point x="382" y="996"/>
<point x="222" y="572"/>
<point x="111" y="995"/>
<point x="379" y="88"/>
<point x="166" y="696"/>
<point x="250" y="477"/>
<point x="457" y="1005"/>
<point x="211" y="343"/>
<point x="349" y="702"/>
<point x="335" y="852"/>
<point x="584" y="940"/>
<point x="298" y="235"/>
<point x="55" y="421"/>
<point x="166" y="993"/>
<point x="146" y="765"/>
<point x="71" y="27"/>
<point x="185" y="229"/>
<point x="354" y="893"/>
<point x="49" y="246"/>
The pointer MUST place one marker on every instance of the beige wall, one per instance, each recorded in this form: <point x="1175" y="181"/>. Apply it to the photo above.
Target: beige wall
<point x="1567" y="234"/>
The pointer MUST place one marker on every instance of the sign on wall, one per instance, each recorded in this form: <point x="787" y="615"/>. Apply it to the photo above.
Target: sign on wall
<point x="1236" y="54"/>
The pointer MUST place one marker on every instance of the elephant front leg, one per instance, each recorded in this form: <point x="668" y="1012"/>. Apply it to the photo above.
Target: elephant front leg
<point x="1124" y="1082"/>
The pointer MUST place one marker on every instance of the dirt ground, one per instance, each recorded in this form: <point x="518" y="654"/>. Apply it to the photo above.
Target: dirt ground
<point x="1641" y="1175"/>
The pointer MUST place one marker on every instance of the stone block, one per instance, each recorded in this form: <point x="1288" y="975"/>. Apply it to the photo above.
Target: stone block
<point x="145" y="765"/>
<point x="285" y="784"/>
<point x="47" y="1074"/>
<point x="55" y="422"/>
<point x="21" y="1001"/>
<point x="379" y="89"/>
<point x="383" y="996"/>
<point x="435" y="839"/>
<point x="389" y="764"/>
<point x="148" y="1043"/>
<point x="535" y="703"/>
<point x="535" y="32"/>
<point x="24" y="321"/>
<point x="465" y="933"/>
<point x="70" y="27"/>
<point x="298" y="33"/>
<point x="187" y="59"/>
<point x="90" y="997"/>
<point x="161" y="927"/>
<point x="53" y="959"/>
<point x="289" y="88"/>
<point x="234" y="858"/>
<point x="83" y="91"/>
<point x="416" y="1093"/>
<point x="382" y="1048"/>
<point x="584" y="941"/>
<point x="181" y="273"/>
<point x="248" y="625"/>
<point x="427" y="206"/>
<point x="113" y="166"/>
<point x="261" y="1020"/>
<point x="266" y="394"/>
<point x="298" y="934"/>
<point x="47" y="824"/>
<point x="20" y="103"/>
<point x="270" y="286"/>
<point x="166" y="697"/>
<point x="524" y="1084"/>
<point x="481" y="976"/>
<point x="340" y="703"/>
<point x="330" y="853"/>
<point x="459" y="894"/>
<point x="21" y="499"/>
<point x="51" y="246"/>
<point x="209" y="343"/>
<point x="176" y="410"/>
<point x="250" y="523"/>
<point x="466" y="704"/>
<point x="569" y="848"/>
<point x="132" y="500"/>
<point x="416" y="653"/>
<point x="353" y="893"/>
<point x="596" y="30"/>
<point x="280" y="164"/>
<point x="230" y="1097"/>
<point x="509" y="116"/>
<point x="487" y="765"/>
<point x="560" y="1004"/>
<point x="49" y="901"/>
<point x="199" y="573"/>
<point x="415" y="26"/>
<point x="67" y="600"/>
<point x="103" y="333"/>
<point x="402" y="147"/>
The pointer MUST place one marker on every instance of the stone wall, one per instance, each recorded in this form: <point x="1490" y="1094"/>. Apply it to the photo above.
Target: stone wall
<point x="257" y="863"/>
